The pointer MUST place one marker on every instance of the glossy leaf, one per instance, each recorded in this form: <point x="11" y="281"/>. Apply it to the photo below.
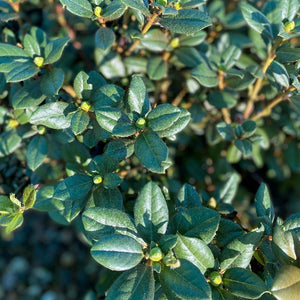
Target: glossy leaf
<point x="81" y="8"/>
<point x="151" y="213"/>
<point x="117" y="252"/>
<point x="52" y="82"/>
<point x="195" y="251"/>
<point x="151" y="151"/>
<point x="54" y="49"/>
<point x="244" y="283"/>
<point x="185" y="282"/>
<point x="36" y="152"/>
<point x="104" y="38"/>
<point x="135" y="284"/>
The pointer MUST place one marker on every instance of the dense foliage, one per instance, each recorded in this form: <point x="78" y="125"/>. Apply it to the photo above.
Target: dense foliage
<point x="154" y="127"/>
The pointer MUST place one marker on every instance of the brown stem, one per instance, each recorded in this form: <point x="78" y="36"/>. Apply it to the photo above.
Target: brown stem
<point x="259" y="83"/>
<point x="267" y="110"/>
<point x="179" y="97"/>
<point x="225" y="111"/>
<point x="144" y="31"/>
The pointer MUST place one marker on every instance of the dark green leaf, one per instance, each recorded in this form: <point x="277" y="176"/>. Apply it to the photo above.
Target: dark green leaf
<point x="244" y="283"/>
<point x="256" y="20"/>
<point x="114" y="10"/>
<point x="162" y="117"/>
<point x="109" y="198"/>
<point x="197" y="222"/>
<point x="155" y="40"/>
<point x="117" y="252"/>
<point x="185" y="282"/>
<point x="9" y="142"/>
<point x="22" y="72"/>
<point x="286" y="54"/>
<point x="188" y="197"/>
<point x="151" y="151"/>
<point x="221" y="100"/>
<point x="36" y="151"/>
<point x="111" y="180"/>
<point x="104" y="38"/>
<point x="244" y="146"/>
<point x="205" y="75"/>
<point x="156" y="68"/>
<point x="52" y="82"/>
<point x="135" y="284"/>
<point x="151" y="213"/>
<point x="238" y="253"/>
<point x="226" y="131"/>
<point x="279" y="73"/>
<point x="54" y="49"/>
<point x="263" y="203"/>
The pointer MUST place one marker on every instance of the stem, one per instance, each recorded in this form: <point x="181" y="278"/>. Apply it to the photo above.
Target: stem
<point x="225" y="111"/>
<point x="179" y="97"/>
<point x="144" y="31"/>
<point x="259" y="83"/>
<point x="267" y="110"/>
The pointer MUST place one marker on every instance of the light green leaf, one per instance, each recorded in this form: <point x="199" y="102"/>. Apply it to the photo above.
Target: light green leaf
<point x="22" y="72"/>
<point x="79" y="122"/>
<point x="222" y="100"/>
<point x="31" y="46"/>
<point x="9" y="142"/>
<point x="151" y="213"/>
<point x="51" y="115"/>
<point x="137" y="96"/>
<point x="114" y="10"/>
<point x="286" y="283"/>
<point x="99" y="222"/>
<point x="151" y="151"/>
<point x="29" y="196"/>
<point x="195" y="251"/>
<point x="81" y="8"/>
<point x="187" y="21"/>
<point x="155" y="40"/>
<point x="279" y="73"/>
<point x="117" y="252"/>
<point x="138" y="5"/>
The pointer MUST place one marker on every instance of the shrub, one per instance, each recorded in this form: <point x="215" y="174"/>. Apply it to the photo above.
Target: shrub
<point x="150" y="124"/>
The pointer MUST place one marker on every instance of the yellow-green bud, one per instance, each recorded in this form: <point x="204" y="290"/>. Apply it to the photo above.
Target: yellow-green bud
<point x="39" y="61"/>
<point x="215" y="278"/>
<point x="41" y="129"/>
<point x="156" y="254"/>
<point x="85" y="106"/>
<point x="177" y="6"/>
<point x="140" y="123"/>
<point x="97" y="179"/>
<point x="13" y="124"/>
<point x="212" y="202"/>
<point x="289" y="26"/>
<point x="97" y="11"/>
<point x="175" y="42"/>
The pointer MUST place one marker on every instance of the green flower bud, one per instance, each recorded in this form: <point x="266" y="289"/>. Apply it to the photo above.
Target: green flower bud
<point x="85" y="106"/>
<point x="156" y="254"/>
<point x="140" y="123"/>
<point x="289" y="26"/>
<point x="97" y="179"/>
<point x="41" y="129"/>
<point x="97" y="11"/>
<point x="39" y="61"/>
<point x="177" y="6"/>
<point x="215" y="278"/>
